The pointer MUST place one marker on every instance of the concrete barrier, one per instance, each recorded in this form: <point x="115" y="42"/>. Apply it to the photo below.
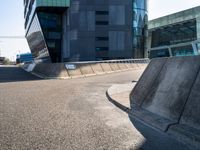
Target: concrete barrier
<point x="122" y="66"/>
<point x="86" y="69"/>
<point x="114" y="66"/>
<point x="97" y="68"/>
<point x="189" y="125"/>
<point x="135" y="65"/>
<point x="74" y="73"/>
<point x="49" y="70"/>
<point x="80" y="69"/>
<point x="106" y="67"/>
<point x="130" y="66"/>
<point x="167" y="96"/>
<point x="146" y="81"/>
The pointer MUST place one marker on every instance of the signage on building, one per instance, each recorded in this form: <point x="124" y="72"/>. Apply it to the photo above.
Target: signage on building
<point x="70" y="66"/>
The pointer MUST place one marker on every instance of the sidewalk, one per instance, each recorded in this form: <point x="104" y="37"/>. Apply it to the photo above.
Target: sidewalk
<point x="119" y="94"/>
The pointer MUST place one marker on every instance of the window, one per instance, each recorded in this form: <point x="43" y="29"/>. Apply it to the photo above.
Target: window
<point x="101" y="12"/>
<point x="101" y="48"/>
<point x="102" y="38"/>
<point x="101" y="22"/>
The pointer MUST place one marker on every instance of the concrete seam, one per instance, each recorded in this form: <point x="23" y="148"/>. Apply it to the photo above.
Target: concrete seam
<point x="81" y="71"/>
<point x="118" y="66"/>
<point x="110" y="67"/>
<point x="102" y="68"/>
<point x="154" y="80"/>
<point x="92" y="69"/>
<point x="67" y="72"/>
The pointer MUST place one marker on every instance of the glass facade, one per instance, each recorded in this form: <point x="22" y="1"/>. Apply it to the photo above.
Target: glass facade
<point x="36" y="40"/>
<point x="51" y="24"/>
<point x="140" y="21"/>
<point x="159" y="53"/>
<point x="186" y="50"/>
<point x="174" y="34"/>
<point x="86" y="31"/>
<point x="183" y="51"/>
<point x="180" y="38"/>
<point x="43" y="23"/>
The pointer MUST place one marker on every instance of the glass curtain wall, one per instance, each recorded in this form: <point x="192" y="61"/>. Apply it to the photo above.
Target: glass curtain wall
<point x="43" y="23"/>
<point x="175" y="34"/>
<point x="36" y="40"/>
<point x="140" y="21"/>
<point x="51" y="24"/>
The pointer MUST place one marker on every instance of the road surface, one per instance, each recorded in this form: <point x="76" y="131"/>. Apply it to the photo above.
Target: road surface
<point x="71" y="114"/>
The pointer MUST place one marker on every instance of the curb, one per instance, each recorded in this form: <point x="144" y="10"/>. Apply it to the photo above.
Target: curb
<point x="122" y="107"/>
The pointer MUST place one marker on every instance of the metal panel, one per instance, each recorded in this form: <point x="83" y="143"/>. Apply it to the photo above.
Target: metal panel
<point x="117" y="15"/>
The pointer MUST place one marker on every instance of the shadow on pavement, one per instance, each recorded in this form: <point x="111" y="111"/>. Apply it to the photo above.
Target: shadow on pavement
<point x="15" y="74"/>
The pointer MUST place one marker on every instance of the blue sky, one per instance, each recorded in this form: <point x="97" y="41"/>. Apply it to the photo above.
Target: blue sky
<point x="12" y="22"/>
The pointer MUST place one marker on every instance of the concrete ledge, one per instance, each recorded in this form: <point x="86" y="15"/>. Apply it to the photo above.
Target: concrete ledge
<point x="186" y="134"/>
<point x="59" y="70"/>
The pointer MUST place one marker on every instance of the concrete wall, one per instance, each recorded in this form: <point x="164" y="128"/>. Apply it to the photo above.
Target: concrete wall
<point x="167" y="96"/>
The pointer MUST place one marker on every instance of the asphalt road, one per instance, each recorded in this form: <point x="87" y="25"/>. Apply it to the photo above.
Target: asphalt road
<point x="14" y="74"/>
<point x="70" y="115"/>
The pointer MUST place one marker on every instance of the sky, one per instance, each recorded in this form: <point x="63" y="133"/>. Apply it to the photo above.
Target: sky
<point x="12" y="21"/>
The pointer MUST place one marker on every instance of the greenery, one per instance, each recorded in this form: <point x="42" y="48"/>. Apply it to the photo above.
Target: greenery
<point x="6" y="61"/>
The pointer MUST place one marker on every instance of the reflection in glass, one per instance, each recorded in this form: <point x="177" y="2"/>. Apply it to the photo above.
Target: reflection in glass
<point x="140" y="21"/>
<point x="36" y="40"/>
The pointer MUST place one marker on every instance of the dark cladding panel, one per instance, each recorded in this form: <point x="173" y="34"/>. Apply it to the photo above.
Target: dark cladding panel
<point x="117" y="14"/>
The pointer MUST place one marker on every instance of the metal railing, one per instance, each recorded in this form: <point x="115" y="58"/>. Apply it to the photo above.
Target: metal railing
<point x="139" y="61"/>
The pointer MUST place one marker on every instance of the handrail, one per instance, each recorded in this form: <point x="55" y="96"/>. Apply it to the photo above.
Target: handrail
<point x="143" y="60"/>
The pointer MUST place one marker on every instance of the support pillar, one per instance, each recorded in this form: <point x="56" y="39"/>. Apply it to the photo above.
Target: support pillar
<point x="198" y="28"/>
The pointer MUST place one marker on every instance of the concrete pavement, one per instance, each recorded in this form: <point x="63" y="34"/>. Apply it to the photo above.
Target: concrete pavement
<point x="71" y="115"/>
<point x="14" y="74"/>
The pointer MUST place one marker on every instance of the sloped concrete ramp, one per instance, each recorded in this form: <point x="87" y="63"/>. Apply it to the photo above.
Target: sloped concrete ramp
<point x="167" y="97"/>
<point x="50" y="70"/>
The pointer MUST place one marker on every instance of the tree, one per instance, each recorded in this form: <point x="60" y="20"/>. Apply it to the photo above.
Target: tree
<point x="6" y="61"/>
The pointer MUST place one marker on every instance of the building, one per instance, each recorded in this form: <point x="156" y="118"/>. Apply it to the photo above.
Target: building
<point x="177" y="34"/>
<point x="85" y="30"/>
<point x="22" y="58"/>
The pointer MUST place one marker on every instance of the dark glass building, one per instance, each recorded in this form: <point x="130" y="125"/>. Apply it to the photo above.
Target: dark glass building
<point x="85" y="30"/>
